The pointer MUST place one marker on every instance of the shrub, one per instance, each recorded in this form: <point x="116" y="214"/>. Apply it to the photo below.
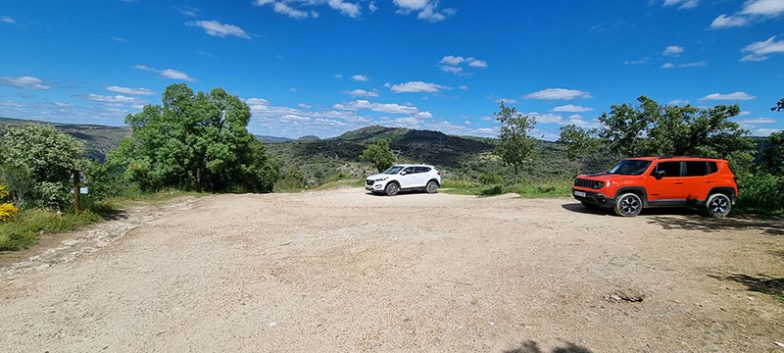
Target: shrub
<point x="7" y="210"/>
<point x="493" y="190"/>
<point x="491" y="179"/>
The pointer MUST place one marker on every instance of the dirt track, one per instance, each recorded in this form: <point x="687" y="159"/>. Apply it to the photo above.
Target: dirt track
<point x="343" y="271"/>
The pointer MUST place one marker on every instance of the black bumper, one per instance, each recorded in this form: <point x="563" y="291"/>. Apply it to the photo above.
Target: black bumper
<point x="594" y="198"/>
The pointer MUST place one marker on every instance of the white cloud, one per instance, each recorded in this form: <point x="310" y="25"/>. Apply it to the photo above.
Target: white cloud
<point x="298" y="9"/>
<point x="673" y="50"/>
<point x="685" y="65"/>
<point x="764" y="132"/>
<point x="362" y="93"/>
<point x="724" y="21"/>
<point x="416" y="86"/>
<point x="372" y="6"/>
<point x="359" y="78"/>
<point x="389" y="108"/>
<point x="131" y="91"/>
<point x="346" y="8"/>
<point x="755" y="121"/>
<point x="119" y="99"/>
<point x="759" y="51"/>
<point x="454" y="64"/>
<point x="6" y="19"/>
<point x="166" y="73"/>
<point x="29" y="82"/>
<point x="571" y="108"/>
<point x="752" y="11"/>
<point x="507" y="101"/>
<point x="426" y="9"/>
<point x="763" y="7"/>
<point x="558" y="94"/>
<point x="636" y="62"/>
<point x="546" y="118"/>
<point x="678" y="102"/>
<point x="735" y="96"/>
<point x="217" y="29"/>
<point x="682" y="4"/>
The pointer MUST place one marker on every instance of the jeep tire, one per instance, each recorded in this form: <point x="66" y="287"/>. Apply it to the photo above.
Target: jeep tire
<point x="628" y="205"/>
<point x="718" y="205"/>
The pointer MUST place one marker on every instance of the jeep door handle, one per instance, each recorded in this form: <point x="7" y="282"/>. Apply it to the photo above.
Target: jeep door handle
<point x="678" y="183"/>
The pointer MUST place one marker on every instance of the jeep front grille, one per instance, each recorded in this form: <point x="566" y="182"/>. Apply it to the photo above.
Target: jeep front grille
<point x="591" y="184"/>
<point x="370" y="182"/>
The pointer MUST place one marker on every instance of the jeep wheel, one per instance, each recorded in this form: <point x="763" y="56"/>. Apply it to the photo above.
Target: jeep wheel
<point x="432" y="187"/>
<point x="628" y="205"/>
<point x="718" y="205"/>
<point x="392" y="189"/>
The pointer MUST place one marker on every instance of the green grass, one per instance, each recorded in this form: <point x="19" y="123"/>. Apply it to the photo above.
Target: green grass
<point x="526" y="189"/>
<point x="23" y="229"/>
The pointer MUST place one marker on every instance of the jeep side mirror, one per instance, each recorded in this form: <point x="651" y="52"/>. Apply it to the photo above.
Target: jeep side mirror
<point x="660" y="174"/>
<point x="403" y="173"/>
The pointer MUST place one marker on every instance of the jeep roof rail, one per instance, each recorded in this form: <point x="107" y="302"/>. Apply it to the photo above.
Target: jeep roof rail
<point x="701" y="157"/>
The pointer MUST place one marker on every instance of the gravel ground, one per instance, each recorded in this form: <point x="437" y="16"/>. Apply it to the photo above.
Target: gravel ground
<point x="343" y="271"/>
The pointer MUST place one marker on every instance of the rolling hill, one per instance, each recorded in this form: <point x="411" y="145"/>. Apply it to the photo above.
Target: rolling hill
<point x="320" y="160"/>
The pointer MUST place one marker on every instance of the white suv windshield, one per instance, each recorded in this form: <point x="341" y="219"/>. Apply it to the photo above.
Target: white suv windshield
<point x="394" y="170"/>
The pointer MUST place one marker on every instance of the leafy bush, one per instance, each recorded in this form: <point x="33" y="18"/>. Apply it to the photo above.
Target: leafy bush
<point x="491" y="179"/>
<point x="493" y="190"/>
<point x="7" y="210"/>
<point x="761" y="193"/>
<point x="55" y="196"/>
<point x="37" y="163"/>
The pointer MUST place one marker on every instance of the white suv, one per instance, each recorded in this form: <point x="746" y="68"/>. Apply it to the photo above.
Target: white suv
<point x="405" y="177"/>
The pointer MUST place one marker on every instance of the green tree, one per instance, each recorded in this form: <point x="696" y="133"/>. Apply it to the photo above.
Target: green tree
<point x="195" y="142"/>
<point x="653" y="129"/>
<point x="581" y="144"/>
<point x="773" y="153"/>
<point x="37" y="164"/>
<point x="779" y="106"/>
<point x="380" y="155"/>
<point x="516" y="147"/>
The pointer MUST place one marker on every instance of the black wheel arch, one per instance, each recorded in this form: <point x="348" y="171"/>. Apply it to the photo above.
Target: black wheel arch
<point x="392" y="182"/>
<point x="434" y="179"/>
<point x="637" y="190"/>
<point x="726" y="190"/>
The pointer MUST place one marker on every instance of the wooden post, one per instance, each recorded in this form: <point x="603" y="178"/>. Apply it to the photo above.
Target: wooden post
<point x="76" y="177"/>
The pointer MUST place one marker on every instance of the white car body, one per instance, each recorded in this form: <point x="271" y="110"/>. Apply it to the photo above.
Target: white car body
<point x="406" y="177"/>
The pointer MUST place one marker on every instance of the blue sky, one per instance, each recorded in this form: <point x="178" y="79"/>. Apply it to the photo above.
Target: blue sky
<point x="323" y="67"/>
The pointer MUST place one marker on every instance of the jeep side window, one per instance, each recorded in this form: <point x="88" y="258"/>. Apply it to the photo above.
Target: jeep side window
<point x="410" y="170"/>
<point x="423" y="169"/>
<point x="712" y="167"/>
<point x="697" y="169"/>
<point x="670" y="169"/>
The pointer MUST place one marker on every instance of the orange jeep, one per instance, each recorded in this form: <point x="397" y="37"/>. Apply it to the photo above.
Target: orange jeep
<point x="637" y="183"/>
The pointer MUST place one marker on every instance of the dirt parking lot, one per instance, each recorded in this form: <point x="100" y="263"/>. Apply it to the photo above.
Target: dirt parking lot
<point x="342" y="271"/>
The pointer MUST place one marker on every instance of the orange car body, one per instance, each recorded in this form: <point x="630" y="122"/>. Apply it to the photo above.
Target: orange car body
<point x="660" y="181"/>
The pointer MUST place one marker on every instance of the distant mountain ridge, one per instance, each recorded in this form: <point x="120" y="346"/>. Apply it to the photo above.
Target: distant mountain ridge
<point x="98" y="139"/>
<point x="420" y="145"/>
<point x="423" y="146"/>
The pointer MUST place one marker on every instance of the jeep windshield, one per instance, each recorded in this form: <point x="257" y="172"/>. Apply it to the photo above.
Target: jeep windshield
<point x="394" y="170"/>
<point x="630" y="167"/>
